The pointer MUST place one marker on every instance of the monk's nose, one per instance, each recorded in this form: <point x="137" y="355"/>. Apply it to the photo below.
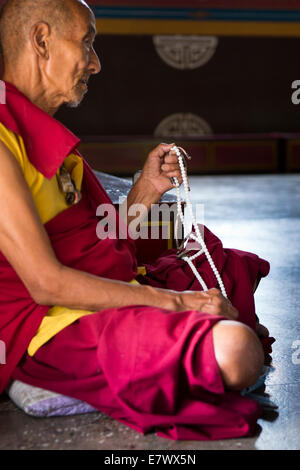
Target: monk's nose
<point x="95" y="65"/>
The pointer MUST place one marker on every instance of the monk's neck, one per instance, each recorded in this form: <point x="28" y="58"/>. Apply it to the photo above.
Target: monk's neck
<point x="31" y="87"/>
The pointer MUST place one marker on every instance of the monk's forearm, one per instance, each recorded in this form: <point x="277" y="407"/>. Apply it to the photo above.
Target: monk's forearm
<point x="80" y="290"/>
<point x="139" y="195"/>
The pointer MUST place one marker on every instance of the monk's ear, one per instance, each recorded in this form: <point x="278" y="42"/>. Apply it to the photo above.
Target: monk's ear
<point x="39" y="37"/>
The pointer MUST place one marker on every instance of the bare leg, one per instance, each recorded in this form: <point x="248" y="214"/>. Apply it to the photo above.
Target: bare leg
<point x="239" y="354"/>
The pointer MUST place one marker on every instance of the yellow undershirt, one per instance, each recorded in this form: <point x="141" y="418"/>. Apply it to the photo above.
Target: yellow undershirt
<point x="49" y="201"/>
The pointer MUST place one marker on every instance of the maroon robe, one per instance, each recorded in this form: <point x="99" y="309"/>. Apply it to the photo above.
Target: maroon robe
<point x="20" y="316"/>
<point x="156" y="369"/>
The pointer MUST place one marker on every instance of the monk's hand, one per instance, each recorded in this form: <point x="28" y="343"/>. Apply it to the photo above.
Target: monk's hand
<point x="161" y="165"/>
<point x="211" y="302"/>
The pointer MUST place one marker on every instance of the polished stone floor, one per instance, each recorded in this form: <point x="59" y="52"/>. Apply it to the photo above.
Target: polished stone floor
<point x="254" y="213"/>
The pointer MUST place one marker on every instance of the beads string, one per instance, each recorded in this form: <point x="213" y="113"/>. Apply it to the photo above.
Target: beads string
<point x="197" y="235"/>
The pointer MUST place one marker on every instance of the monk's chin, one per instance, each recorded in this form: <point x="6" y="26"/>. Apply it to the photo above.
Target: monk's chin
<point x="73" y="104"/>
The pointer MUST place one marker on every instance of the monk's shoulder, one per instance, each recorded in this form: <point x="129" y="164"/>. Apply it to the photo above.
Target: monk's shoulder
<point x="14" y="143"/>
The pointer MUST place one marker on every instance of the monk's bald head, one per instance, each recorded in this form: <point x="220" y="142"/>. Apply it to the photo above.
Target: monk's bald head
<point x="18" y="16"/>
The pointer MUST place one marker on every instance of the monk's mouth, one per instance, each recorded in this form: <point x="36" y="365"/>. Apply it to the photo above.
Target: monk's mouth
<point x="84" y="83"/>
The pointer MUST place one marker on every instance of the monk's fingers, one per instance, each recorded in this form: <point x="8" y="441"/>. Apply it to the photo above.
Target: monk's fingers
<point x="171" y="157"/>
<point x="212" y="309"/>
<point x="219" y="305"/>
<point x="224" y="305"/>
<point x="168" y="167"/>
<point x="174" y="174"/>
<point x="232" y="312"/>
<point x="214" y="291"/>
<point x="211" y="302"/>
<point x="161" y="151"/>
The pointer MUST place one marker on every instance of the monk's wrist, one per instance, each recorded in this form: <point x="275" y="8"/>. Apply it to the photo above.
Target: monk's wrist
<point x="161" y="298"/>
<point x="146" y="192"/>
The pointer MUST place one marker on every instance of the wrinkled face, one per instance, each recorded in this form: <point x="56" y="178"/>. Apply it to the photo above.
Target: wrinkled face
<point x="72" y="59"/>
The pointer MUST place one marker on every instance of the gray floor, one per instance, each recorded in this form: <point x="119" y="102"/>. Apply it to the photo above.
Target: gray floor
<point x="254" y="213"/>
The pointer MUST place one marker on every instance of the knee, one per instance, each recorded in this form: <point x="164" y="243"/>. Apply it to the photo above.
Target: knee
<point x="238" y="353"/>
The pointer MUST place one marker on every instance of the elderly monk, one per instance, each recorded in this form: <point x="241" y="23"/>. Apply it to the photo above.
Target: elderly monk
<point x="158" y="354"/>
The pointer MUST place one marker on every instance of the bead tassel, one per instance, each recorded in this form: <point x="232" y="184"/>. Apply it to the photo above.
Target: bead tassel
<point x="198" y="238"/>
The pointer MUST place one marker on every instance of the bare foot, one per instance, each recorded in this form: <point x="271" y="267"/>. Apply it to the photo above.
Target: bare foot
<point x="262" y="331"/>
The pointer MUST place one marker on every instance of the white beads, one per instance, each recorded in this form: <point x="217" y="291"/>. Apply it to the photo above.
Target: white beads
<point x="198" y="236"/>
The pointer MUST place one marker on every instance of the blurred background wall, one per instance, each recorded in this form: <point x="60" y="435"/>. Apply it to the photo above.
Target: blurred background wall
<point x="214" y="76"/>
